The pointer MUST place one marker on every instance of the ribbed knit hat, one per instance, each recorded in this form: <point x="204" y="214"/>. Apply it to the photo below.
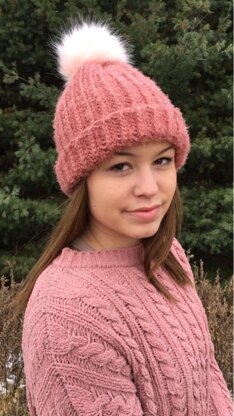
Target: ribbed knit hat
<point x="106" y="105"/>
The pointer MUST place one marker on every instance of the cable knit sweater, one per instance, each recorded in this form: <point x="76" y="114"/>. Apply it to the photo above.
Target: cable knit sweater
<point x="99" y="339"/>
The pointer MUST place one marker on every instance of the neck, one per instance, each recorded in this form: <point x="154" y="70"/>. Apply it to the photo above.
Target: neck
<point x="107" y="242"/>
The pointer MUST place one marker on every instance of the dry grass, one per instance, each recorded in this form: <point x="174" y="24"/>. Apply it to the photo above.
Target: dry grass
<point x="216" y="298"/>
<point x="12" y="390"/>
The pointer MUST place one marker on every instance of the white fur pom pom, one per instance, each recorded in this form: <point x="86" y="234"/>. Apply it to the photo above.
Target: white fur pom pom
<point x="89" y="42"/>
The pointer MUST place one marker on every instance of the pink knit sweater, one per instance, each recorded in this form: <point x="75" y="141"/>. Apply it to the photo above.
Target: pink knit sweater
<point x="99" y="339"/>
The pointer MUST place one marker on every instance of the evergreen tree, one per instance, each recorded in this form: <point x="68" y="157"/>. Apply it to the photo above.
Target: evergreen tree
<point x="186" y="46"/>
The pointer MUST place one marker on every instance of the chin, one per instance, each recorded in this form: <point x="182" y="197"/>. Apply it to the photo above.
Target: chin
<point x="146" y="234"/>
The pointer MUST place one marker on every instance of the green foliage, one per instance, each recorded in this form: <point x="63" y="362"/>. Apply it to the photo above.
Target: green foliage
<point x="21" y="217"/>
<point x="186" y="46"/>
<point x="33" y="166"/>
<point x="207" y="215"/>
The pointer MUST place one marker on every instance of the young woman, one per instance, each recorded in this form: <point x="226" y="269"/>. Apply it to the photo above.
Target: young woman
<point x="114" y="325"/>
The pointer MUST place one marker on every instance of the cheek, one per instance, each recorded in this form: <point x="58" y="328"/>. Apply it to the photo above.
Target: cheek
<point x="170" y="184"/>
<point x="174" y="183"/>
<point x="102" y="197"/>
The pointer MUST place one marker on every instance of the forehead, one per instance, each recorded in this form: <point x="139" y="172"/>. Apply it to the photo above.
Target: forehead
<point x="138" y="149"/>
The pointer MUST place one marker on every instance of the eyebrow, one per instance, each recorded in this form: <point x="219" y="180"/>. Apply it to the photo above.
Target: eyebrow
<point x="132" y="154"/>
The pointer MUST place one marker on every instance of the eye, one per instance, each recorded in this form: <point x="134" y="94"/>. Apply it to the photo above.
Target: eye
<point x="163" y="161"/>
<point x="119" y="167"/>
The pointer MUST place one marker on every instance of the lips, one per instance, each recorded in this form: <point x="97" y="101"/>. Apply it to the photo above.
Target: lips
<point x="146" y="209"/>
<point x="146" y="214"/>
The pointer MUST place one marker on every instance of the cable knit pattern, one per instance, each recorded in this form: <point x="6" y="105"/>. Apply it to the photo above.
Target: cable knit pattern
<point x="99" y="339"/>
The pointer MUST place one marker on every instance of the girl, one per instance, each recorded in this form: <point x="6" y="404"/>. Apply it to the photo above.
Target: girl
<point x="114" y="325"/>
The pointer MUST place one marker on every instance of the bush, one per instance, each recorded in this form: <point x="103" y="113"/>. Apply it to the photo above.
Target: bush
<point x="12" y="384"/>
<point x="217" y="299"/>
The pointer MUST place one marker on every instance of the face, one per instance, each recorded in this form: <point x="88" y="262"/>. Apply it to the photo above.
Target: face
<point x="129" y="195"/>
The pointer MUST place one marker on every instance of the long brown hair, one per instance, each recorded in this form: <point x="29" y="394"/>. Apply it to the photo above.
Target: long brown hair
<point x="74" y="222"/>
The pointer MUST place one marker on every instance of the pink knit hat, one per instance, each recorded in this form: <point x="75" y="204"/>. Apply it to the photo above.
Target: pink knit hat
<point x="107" y="104"/>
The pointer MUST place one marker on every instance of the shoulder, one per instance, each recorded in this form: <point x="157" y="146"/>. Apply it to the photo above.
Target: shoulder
<point x="72" y="316"/>
<point x="73" y="336"/>
<point x="60" y="281"/>
<point x="178" y="251"/>
<point x="66" y="301"/>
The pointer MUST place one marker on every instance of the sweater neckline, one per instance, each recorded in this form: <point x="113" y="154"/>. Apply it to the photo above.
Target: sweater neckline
<point x="117" y="257"/>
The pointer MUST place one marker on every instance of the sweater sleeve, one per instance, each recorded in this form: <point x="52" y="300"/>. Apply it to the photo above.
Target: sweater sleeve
<point x="75" y="372"/>
<point x="220" y="397"/>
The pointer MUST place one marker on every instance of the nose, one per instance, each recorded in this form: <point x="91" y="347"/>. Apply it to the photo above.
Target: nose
<point x="146" y="183"/>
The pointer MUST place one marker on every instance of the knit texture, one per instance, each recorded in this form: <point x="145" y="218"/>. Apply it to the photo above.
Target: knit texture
<point x="99" y="339"/>
<point x="106" y="107"/>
